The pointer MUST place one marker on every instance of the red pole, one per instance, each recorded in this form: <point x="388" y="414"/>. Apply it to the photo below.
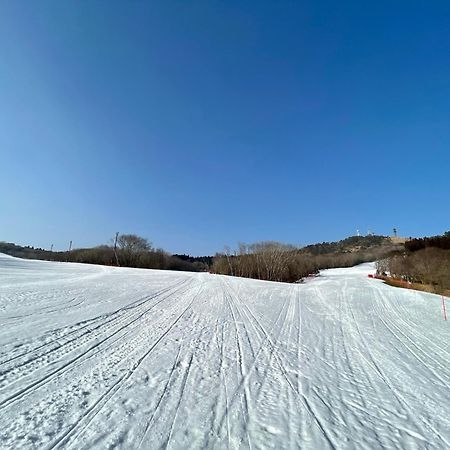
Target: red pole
<point x="443" y="308"/>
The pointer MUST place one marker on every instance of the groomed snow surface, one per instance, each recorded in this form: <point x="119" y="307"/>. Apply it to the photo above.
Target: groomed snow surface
<point x="100" y="357"/>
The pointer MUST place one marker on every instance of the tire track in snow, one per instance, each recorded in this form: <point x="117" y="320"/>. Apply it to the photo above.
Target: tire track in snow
<point x="78" y="427"/>
<point x="385" y="379"/>
<point x="161" y="397"/>
<point x="290" y="319"/>
<point x="46" y="310"/>
<point x="263" y="347"/>
<point x="401" y="311"/>
<point x="86" y="324"/>
<point x="271" y="351"/>
<point x="183" y="387"/>
<point x="391" y="326"/>
<point x="395" y="392"/>
<point x="245" y="400"/>
<point x="216" y="353"/>
<point x="182" y="372"/>
<point x="243" y="381"/>
<point x="300" y="395"/>
<point x="224" y="380"/>
<point x="94" y="349"/>
<point x="299" y="356"/>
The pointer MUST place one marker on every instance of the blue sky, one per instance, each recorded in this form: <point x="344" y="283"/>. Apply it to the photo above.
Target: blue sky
<point x="199" y="124"/>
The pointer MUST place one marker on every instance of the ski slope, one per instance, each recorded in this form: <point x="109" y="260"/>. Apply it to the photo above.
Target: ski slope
<point x="101" y="357"/>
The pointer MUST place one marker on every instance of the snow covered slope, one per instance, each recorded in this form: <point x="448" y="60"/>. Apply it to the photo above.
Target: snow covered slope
<point x="97" y="357"/>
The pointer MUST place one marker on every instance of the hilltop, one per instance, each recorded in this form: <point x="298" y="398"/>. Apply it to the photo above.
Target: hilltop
<point x="354" y="244"/>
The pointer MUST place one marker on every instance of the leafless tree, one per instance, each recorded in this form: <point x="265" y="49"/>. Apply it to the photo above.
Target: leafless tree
<point x="131" y="248"/>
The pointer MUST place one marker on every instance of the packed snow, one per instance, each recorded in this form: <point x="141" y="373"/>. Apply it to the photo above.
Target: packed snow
<point x="103" y="357"/>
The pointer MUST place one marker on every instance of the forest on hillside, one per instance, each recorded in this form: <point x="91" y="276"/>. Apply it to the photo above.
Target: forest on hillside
<point x="274" y="261"/>
<point x="424" y="261"/>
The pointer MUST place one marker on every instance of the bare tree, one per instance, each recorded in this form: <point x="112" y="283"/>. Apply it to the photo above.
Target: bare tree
<point x="132" y="247"/>
<point x="228" y="256"/>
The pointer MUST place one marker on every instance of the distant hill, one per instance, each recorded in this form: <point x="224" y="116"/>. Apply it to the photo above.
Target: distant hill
<point x="353" y="244"/>
<point x="26" y="252"/>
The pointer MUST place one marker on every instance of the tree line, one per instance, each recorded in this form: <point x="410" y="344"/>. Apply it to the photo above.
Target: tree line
<point x="270" y="260"/>
<point x="440" y="241"/>
<point x="130" y="251"/>
<point x="424" y="261"/>
<point x="275" y="261"/>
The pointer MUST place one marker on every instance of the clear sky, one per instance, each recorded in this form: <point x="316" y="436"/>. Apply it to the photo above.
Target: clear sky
<point x="204" y="123"/>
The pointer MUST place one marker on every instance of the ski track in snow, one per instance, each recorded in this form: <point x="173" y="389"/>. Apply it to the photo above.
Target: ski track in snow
<point x="102" y="357"/>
